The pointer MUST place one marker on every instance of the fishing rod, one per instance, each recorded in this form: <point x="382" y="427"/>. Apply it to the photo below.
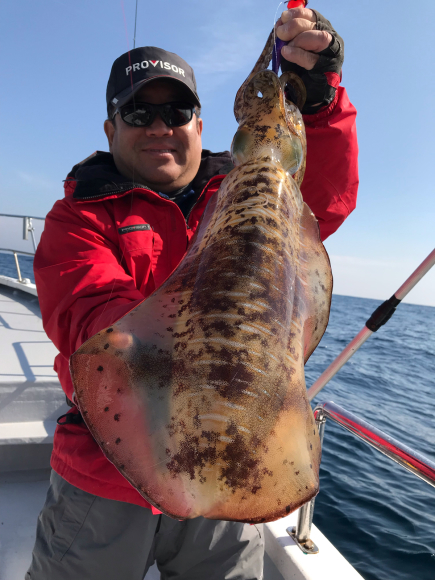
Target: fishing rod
<point x="380" y="316"/>
<point x="276" y="55"/>
<point x="135" y="22"/>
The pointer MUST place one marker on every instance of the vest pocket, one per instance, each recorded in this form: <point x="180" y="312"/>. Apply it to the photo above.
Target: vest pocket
<point x="136" y="243"/>
<point x="136" y="237"/>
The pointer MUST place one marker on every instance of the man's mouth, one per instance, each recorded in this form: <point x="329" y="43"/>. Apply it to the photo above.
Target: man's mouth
<point x="159" y="150"/>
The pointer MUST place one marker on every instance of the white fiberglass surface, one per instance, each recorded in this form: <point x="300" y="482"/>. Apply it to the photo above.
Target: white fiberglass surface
<point x="29" y="387"/>
<point x="21" y="498"/>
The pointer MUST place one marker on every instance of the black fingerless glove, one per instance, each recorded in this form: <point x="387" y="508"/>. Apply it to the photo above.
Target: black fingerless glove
<point x="321" y="81"/>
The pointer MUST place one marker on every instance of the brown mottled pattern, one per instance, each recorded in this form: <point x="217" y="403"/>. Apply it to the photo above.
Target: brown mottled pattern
<point x="261" y="64"/>
<point x="198" y="395"/>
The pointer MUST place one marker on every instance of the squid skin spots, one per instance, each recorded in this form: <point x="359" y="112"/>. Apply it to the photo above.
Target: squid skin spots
<point x="288" y="509"/>
<point x="117" y="416"/>
<point x="109" y="330"/>
<point x="100" y="369"/>
<point x="106" y="346"/>
<point x="118" y="441"/>
<point x="106" y="409"/>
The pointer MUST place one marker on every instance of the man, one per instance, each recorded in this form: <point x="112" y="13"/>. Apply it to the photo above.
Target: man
<point x="123" y="226"/>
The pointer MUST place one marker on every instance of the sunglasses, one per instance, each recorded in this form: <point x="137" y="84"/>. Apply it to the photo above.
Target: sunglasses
<point x="143" y="114"/>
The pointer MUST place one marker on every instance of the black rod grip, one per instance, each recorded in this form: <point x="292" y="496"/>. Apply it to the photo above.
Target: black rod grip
<point x="382" y="314"/>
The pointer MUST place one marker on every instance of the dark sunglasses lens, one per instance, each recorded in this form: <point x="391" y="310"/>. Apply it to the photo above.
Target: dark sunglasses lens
<point x="177" y="114"/>
<point x="143" y="114"/>
<point x="139" y="115"/>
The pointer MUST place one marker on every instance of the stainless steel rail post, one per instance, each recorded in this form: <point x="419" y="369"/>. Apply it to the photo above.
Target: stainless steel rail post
<point x="15" y="253"/>
<point x="18" y="267"/>
<point x="418" y="464"/>
<point x="28" y="227"/>
<point x="301" y="532"/>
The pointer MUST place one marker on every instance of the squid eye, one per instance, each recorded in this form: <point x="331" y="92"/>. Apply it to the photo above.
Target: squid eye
<point x="241" y="147"/>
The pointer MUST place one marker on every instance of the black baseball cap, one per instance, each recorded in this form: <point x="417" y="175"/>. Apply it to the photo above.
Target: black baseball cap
<point x="141" y="65"/>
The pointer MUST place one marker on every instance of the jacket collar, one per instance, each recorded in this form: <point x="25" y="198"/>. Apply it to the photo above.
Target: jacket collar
<point x="97" y="177"/>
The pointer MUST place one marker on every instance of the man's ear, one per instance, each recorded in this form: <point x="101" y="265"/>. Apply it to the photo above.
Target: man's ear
<point x="199" y="126"/>
<point x="109" y="129"/>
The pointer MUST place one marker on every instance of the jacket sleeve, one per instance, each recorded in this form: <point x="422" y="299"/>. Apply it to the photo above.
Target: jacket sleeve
<point x="331" y="180"/>
<point x="82" y="286"/>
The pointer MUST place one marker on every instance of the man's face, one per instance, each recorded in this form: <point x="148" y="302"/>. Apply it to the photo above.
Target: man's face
<point x="164" y="158"/>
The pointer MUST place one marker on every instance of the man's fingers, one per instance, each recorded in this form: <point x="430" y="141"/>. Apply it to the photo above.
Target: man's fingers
<point x="300" y="56"/>
<point x="299" y="12"/>
<point x="293" y="27"/>
<point x="313" y="40"/>
<point x="297" y="27"/>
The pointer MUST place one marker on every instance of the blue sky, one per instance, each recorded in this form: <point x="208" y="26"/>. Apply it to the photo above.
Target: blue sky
<point x="55" y="60"/>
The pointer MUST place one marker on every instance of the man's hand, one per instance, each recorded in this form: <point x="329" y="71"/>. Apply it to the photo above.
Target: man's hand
<point x="315" y="52"/>
<point x="298" y="26"/>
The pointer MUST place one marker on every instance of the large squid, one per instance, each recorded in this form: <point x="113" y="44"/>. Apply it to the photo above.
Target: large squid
<point x="198" y="395"/>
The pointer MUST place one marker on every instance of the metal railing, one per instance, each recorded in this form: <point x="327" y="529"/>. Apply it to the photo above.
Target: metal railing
<point x="31" y="217"/>
<point x="409" y="459"/>
<point x="17" y="264"/>
<point x="27" y="228"/>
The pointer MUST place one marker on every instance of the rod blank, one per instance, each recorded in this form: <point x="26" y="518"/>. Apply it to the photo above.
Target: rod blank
<point x="379" y="317"/>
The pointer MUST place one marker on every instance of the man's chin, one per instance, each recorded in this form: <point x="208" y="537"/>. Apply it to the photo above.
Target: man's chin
<point x="162" y="181"/>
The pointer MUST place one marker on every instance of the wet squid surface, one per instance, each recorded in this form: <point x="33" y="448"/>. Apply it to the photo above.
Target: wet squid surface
<point x="198" y="395"/>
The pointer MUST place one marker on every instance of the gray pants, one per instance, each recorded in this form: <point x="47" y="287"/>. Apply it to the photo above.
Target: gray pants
<point x="82" y="536"/>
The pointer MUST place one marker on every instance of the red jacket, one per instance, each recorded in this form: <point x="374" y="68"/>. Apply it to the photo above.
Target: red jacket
<point x="92" y="267"/>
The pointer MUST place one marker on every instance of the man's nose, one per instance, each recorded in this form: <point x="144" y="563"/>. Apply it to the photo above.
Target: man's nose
<point x="158" y="128"/>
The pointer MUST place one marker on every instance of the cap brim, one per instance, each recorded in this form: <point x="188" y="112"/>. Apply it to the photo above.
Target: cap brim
<point x="127" y="94"/>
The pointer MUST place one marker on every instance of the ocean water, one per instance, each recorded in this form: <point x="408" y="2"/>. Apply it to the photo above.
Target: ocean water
<point x="8" y="267"/>
<point x="379" y="516"/>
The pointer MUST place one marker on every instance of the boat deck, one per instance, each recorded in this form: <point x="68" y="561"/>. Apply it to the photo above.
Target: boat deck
<point x="31" y="399"/>
<point x="22" y="494"/>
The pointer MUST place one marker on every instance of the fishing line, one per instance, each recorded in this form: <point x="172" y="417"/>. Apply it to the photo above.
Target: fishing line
<point x="129" y="57"/>
<point x="135" y="22"/>
<point x="133" y="180"/>
<point x="131" y="81"/>
<point x="274" y="29"/>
